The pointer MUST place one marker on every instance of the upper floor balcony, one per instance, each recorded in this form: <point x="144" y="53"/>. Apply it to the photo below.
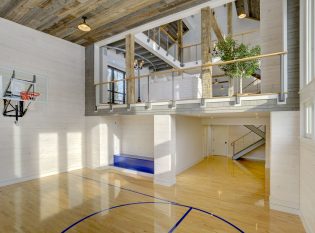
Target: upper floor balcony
<point x="178" y="67"/>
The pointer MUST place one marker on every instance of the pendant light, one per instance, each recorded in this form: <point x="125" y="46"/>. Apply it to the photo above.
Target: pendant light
<point x="84" y="26"/>
<point x="241" y="8"/>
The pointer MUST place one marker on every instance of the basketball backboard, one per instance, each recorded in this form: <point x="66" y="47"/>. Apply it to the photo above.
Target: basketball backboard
<point x="13" y="83"/>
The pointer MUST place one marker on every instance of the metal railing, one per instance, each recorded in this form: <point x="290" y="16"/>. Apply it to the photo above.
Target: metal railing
<point x="192" y="52"/>
<point x="169" y="85"/>
<point x="246" y="140"/>
<point x="170" y="45"/>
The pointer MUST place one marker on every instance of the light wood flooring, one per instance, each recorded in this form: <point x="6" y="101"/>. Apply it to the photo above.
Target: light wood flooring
<point x="217" y="195"/>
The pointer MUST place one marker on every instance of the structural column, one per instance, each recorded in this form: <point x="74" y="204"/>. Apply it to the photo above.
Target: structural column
<point x="285" y="161"/>
<point x="206" y="72"/>
<point x="164" y="150"/>
<point x="180" y="40"/>
<point x="229" y="9"/>
<point x="130" y="71"/>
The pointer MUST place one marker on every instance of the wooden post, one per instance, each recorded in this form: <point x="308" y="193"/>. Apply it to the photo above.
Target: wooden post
<point x="229" y="9"/>
<point x="130" y="70"/>
<point x="180" y="32"/>
<point x="206" y="73"/>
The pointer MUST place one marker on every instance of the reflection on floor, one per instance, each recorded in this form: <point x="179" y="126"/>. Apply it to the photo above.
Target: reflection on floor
<point x="109" y="201"/>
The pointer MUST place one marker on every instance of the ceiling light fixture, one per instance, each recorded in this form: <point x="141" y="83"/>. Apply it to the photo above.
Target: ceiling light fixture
<point x="241" y="8"/>
<point x="242" y="16"/>
<point x="84" y="26"/>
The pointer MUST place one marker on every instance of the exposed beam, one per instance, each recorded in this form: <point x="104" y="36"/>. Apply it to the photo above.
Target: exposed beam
<point x="206" y="74"/>
<point x="229" y="8"/>
<point x="215" y="26"/>
<point x="130" y="72"/>
<point x="180" y="41"/>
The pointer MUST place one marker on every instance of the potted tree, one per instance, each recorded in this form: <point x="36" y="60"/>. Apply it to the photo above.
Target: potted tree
<point x="228" y="49"/>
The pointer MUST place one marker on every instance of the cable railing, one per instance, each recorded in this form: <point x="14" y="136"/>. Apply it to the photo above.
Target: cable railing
<point x="163" y="40"/>
<point x="189" y="83"/>
<point x="192" y="52"/>
<point x="246" y="140"/>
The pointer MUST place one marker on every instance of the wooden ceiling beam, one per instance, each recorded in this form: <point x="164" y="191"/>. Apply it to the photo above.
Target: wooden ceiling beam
<point x="215" y="26"/>
<point x="106" y="17"/>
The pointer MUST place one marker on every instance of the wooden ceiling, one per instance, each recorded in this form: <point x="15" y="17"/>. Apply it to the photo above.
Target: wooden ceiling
<point x="106" y="17"/>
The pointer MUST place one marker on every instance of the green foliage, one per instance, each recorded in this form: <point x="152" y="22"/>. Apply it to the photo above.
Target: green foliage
<point x="228" y="49"/>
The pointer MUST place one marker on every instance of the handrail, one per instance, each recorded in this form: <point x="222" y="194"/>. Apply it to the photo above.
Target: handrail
<point x="167" y="34"/>
<point x="207" y="65"/>
<point x="235" y="35"/>
<point x="232" y="143"/>
<point x="244" y="88"/>
<point x="137" y="55"/>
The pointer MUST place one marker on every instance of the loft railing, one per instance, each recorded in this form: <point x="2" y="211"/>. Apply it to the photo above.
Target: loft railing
<point x="192" y="52"/>
<point x="170" y="85"/>
<point x="246" y="140"/>
<point x="170" y="45"/>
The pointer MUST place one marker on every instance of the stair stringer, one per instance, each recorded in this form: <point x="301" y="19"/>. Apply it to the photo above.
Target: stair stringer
<point x="249" y="149"/>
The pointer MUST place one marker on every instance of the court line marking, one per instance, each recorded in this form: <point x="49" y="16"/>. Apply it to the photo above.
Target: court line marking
<point x="161" y="199"/>
<point x="180" y="220"/>
<point x="107" y="209"/>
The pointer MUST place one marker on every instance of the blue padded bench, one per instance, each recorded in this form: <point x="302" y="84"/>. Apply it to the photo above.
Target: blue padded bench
<point x="134" y="162"/>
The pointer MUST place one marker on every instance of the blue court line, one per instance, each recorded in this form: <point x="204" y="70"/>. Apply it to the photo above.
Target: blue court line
<point x="126" y="189"/>
<point x="180" y="220"/>
<point x="113" y="207"/>
<point x="161" y="199"/>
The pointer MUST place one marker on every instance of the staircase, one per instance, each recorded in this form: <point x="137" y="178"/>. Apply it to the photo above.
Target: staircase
<point x="248" y="142"/>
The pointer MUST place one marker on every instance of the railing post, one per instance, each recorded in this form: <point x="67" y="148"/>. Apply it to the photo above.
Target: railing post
<point x="173" y="94"/>
<point x="233" y="144"/>
<point x="124" y="92"/>
<point x="159" y="38"/>
<point x="148" y="40"/>
<point x="281" y="95"/>
<point x="148" y="88"/>
<point x="172" y="104"/>
<point x="175" y="52"/>
<point x="139" y="99"/>
<point x="196" y="53"/>
<point x="166" y="45"/>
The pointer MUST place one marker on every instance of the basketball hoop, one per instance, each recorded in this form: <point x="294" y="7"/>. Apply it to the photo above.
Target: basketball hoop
<point x="28" y="95"/>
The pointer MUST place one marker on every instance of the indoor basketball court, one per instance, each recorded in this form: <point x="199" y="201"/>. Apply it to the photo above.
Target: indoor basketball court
<point x="157" y="116"/>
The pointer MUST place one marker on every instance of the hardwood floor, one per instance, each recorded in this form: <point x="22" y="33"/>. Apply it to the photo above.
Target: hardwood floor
<point x="79" y="201"/>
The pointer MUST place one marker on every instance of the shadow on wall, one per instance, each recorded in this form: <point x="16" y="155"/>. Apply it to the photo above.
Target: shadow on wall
<point x="29" y="153"/>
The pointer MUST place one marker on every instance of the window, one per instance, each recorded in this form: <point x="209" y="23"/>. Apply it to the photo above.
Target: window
<point x="308" y="120"/>
<point x="310" y="41"/>
<point x="117" y="90"/>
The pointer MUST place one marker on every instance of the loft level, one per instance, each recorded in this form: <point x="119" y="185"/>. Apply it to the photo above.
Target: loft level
<point x="197" y="89"/>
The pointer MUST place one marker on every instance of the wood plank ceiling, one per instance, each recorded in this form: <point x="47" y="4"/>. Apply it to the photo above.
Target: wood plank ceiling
<point x="106" y="17"/>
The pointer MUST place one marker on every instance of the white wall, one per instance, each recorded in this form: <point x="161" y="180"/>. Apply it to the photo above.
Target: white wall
<point x="50" y="138"/>
<point x="284" y="161"/>
<point x="272" y="28"/>
<point x="189" y="148"/>
<point x="106" y="136"/>
<point x="186" y="86"/>
<point x="103" y="140"/>
<point x="307" y="94"/>
<point x="164" y="149"/>
<point x="137" y="135"/>
<point x="307" y="187"/>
